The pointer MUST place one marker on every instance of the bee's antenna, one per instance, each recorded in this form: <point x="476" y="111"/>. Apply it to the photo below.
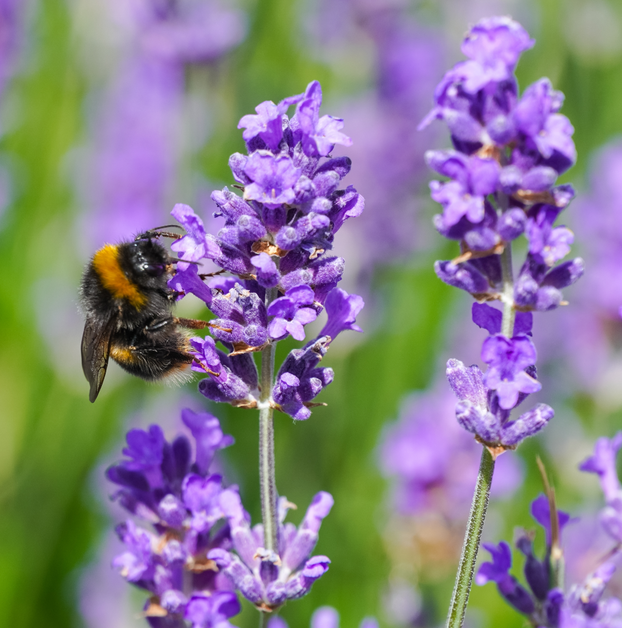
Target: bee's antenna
<point x="165" y="227"/>
<point x="185" y="261"/>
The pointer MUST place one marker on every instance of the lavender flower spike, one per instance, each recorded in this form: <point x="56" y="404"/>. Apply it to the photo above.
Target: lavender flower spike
<point x="159" y="483"/>
<point x="265" y="578"/>
<point x="507" y="152"/>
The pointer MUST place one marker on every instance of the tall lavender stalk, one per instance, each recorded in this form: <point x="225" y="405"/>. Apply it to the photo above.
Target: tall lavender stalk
<point x="508" y="152"/>
<point x="273" y="278"/>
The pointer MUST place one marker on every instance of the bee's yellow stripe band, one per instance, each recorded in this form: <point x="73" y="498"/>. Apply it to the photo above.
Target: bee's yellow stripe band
<point x="114" y="280"/>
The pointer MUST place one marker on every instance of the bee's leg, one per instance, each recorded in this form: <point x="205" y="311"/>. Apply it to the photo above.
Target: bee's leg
<point x="192" y="323"/>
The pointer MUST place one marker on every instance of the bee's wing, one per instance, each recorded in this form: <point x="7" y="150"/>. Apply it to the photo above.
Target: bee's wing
<point x="95" y="351"/>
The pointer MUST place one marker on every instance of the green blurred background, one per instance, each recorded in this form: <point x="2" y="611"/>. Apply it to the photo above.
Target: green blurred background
<point x="54" y="443"/>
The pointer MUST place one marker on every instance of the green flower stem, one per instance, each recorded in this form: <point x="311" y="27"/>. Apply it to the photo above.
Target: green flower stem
<point x="263" y="619"/>
<point x="477" y="516"/>
<point x="507" y="296"/>
<point x="267" y="475"/>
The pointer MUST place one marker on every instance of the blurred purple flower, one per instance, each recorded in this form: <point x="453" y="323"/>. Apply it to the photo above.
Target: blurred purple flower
<point x="388" y="150"/>
<point x="132" y="158"/>
<point x="323" y="617"/>
<point x="587" y="334"/>
<point x="11" y="22"/>
<point x="432" y="476"/>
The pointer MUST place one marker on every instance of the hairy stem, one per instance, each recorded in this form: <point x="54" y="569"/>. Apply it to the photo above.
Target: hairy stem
<point x="477" y="516"/>
<point x="267" y="476"/>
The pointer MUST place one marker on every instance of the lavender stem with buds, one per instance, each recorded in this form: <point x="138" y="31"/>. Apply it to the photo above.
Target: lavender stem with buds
<point x="508" y="152"/>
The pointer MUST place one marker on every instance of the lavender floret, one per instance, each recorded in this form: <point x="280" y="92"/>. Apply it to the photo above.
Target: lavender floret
<point x="266" y="579"/>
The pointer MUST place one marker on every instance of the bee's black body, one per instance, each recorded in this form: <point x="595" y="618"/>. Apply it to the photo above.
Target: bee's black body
<point x="128" y="307"/>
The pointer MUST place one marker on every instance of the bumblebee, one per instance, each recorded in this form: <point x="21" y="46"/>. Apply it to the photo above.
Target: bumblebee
<point x="128" y="307"/>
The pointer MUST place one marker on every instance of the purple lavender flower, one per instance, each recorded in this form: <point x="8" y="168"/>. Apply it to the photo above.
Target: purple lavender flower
<point x="195" y="244"/>
<point x="494" y="46"/>
<point x="480" y="411"/>
<point x="498" y="571"/>
<point x="502" y="173"/>
<point x="508" y="152"/>
<point x="318" y="136"/>
<point x="342" y="310"/>
<point x="274" y="242"/>
<point x="231" y="379"/>
<point x="544" y="604"/>
<point x="291" y="312"/>
<point x="267" y="125"/>
<point x="300" y="380"/>
<point x="508" y="359"/>
<point x="542" y="601"/>
<point x="159" y="483"/>
<point x="272" y="179"/>
<point x="266" y="579"/>
<point x="473" y="179"/>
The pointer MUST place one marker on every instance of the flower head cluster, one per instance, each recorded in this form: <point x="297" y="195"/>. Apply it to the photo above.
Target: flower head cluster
<point x="269" y="579"/>
<point x="274" y="243"/>
<point x="544" y="603"/>
<point x="160" y="483"/>
<point x="508" y="152"/>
